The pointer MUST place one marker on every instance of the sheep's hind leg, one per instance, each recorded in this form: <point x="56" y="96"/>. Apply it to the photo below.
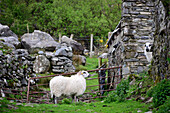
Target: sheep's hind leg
<point x="74" y="99"/>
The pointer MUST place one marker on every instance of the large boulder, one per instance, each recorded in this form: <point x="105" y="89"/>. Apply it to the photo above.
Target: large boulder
<point x="77" y="47"/>
<point x="38" y="41"/>
<point x="7" y="37"/>
<point x="41" y="64"/>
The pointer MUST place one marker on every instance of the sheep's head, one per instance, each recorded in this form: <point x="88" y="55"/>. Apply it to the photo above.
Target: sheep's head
<point x="84" y="74"/>
<point x="148" y="47"/>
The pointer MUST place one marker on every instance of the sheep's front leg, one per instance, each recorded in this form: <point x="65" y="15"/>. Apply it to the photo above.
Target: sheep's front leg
<point x="55" y="99"/>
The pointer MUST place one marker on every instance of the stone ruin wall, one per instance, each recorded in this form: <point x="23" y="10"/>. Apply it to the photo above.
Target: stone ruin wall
<point x="138" y="28"/>
<point x="143" y="21"/>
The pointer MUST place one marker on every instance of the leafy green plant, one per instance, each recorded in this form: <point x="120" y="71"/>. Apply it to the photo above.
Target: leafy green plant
<point x="66" y="101"/>
<point x="120" y="94"/>
<point x="112" y="97"/>
<point x="122" y="89"/>
<point x="160" y="92"/>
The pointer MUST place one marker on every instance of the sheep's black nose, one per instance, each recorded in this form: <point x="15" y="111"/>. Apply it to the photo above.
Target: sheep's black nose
<point x="147" y="49"/>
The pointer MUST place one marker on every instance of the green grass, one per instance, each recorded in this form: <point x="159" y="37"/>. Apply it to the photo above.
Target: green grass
<point x="98" y="107"/>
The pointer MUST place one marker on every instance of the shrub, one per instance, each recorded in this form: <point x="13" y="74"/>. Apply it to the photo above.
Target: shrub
<point x="120" y="94"/>
<point x="160" y="92"/>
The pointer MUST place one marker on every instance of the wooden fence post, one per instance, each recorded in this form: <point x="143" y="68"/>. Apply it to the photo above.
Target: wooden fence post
<point x="71" y="37"/>
<point x="59" y="37"/>
<point x="91" y="45"/>
<point x="99" y="62"/>
<point x="27" y="28"/>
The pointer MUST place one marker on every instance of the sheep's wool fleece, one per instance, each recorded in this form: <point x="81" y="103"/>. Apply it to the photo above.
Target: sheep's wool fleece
<point x="74" y="85"/>
<point x="148" y="55"/>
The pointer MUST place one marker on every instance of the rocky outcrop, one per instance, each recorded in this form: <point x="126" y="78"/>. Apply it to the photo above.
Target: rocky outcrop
<point x="37" y="41"/>
<point x="7" y="37"/>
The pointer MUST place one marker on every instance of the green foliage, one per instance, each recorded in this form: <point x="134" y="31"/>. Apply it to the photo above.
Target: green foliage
<point x="122" y="89"/>
<point x="160" y="92"/>
<point x="140" y="84"/>
<point x="165" y="108"/>
<point x="112" y="97"/>
<point x="3" y="103"/>
<point x="120" y="94"/>
<point x="78" y="17"/>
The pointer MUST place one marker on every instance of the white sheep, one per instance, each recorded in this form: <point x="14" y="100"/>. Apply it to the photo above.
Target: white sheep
<point x="69" y="86"/>
<point x="148" y="51"/>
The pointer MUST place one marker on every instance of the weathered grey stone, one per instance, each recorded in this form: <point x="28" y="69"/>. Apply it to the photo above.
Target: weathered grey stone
<point x="140" y="69"/>
<point x="24" y="82"/>
<point x="125" y="39"/>
<point x="7" y="44"/>
<point x="77" y="47"/>
<point x="41" y="64"/>
<point x="125" y="70"/>
<point x="37" y="41"/>
<point x="49" y="55"/>
<point x="131" y="60"/>
<point x="61" y="52"/>
<point x="143" y="16"/>
<point x="20" y="52"/>
<point x="41" y="52"/>
<point x="54" y="60"/>
<point x="8" y="36"/>
<point x="11" y="40"/>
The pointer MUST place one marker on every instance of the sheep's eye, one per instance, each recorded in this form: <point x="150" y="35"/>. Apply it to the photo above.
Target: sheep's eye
<point x="149" y="44"/>
<point x="145" y="45"/>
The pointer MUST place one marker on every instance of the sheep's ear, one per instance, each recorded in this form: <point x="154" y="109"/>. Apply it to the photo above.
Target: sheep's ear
<point x="80" y="73"/>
